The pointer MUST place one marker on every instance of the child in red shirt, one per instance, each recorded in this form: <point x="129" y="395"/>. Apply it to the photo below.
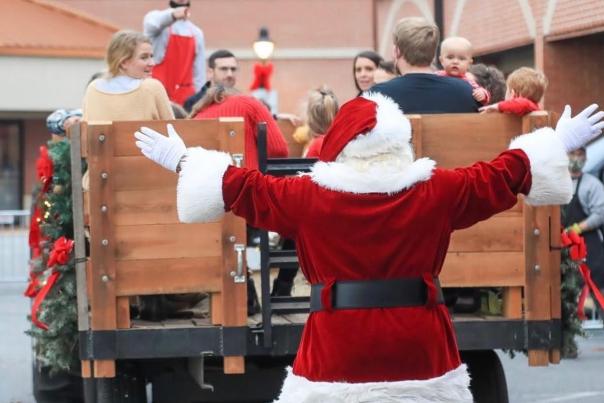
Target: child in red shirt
<point x="525" y="89"/>
<point x="456" y="58"/>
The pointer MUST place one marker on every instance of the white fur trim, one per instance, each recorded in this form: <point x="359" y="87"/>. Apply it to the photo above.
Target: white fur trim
<point x="452" y="387"/>
<point x="392" y="131"/>
<point x="372" y="176"/>
<point x="199" y="192"/>
<point x="551" y="181"/>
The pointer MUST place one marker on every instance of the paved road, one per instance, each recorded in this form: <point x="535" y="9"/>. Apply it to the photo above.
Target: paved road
<point x="15" y="345"/>
<point x="579" y="380"/>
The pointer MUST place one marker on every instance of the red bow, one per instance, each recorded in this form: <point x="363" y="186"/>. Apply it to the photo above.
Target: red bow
<point x="44" y="168"/>
<point x="60" y="252"/>
<point x="262" y="76"/>
<point x="578" y="252"/>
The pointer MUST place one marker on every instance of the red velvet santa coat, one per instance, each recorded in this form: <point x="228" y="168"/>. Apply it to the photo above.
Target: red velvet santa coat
<point x="387" y="222"/>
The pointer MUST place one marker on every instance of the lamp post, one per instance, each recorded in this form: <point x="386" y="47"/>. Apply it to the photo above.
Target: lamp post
<point x="263" y="69"/>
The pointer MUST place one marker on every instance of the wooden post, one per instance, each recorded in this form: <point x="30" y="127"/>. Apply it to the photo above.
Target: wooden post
<point x="234" y="294"/>
<point x="537" y="256"/>
<point x="102" y="248"/>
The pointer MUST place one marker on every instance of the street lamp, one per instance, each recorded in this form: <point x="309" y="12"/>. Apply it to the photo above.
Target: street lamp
<point x="264" y="47"/>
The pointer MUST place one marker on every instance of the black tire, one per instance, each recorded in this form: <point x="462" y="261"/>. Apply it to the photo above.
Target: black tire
<point x="487" y="382"/>
<point x="127" y="387"/>
<point x="56" y="387"/>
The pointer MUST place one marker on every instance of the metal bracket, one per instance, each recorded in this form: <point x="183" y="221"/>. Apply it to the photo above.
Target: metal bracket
<point x="238" y="158"/>
<point x="196" y="370"/>
<point x="238" y="276"/>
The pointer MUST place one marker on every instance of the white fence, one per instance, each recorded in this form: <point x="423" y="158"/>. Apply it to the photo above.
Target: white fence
<point x="14" y="248"/>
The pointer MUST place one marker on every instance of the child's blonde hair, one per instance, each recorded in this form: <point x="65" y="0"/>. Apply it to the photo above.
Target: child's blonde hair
<point x="528" y="83"/>
<point x="121" y="48"/>
<point x="322" y="108"/>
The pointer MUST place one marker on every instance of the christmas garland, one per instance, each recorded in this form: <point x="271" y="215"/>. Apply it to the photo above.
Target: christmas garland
<point x="52" y="270"/>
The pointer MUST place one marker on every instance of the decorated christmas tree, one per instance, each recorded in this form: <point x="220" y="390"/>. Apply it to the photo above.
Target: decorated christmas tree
<point x="52" y="277"/>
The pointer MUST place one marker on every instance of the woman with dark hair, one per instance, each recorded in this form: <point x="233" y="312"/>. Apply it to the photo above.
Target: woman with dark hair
<point x="363" y="69"/>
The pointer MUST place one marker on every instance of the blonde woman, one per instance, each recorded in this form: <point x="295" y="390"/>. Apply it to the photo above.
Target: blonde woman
<point x="322" y="108"/>
<point x="127" y="92"/>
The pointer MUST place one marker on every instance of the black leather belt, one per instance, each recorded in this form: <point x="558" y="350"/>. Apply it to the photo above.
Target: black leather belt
<point x="388" y="293"/>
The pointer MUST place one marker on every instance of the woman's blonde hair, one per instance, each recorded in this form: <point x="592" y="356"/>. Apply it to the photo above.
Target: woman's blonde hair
<point x="322" y="108"/>
<point x="121" y="48"/>
<point x="214" y="95"/>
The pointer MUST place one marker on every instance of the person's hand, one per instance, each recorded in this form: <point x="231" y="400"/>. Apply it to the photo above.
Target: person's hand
<point x="577" y="131"/>
<point x="166" y="151"/>
<point x="180" y="13"/>
<point x="576" y="228"/>
<point x="70" y="121"/>
<point x="293" y="119"/>
<point x="489" y="108"/>
<point x="479" y="95"/>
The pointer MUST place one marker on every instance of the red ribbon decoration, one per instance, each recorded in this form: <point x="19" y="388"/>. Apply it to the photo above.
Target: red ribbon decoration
<point x="58" y="256"/>
<point x="262" y="76"/>
<point x="44" y="168"/>
<point x="578" y="252"/>
<point x="60" y="252"/>
<point x="32" y="287"/>
<point x="35" y="235"/>
<point x="40" y="297"/>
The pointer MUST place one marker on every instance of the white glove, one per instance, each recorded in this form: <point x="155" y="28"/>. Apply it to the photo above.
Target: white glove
<point x="578" y="131"/>
<point x="166" y="151"/>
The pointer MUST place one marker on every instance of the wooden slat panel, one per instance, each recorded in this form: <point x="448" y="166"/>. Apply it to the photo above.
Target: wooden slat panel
<point x="459" y="140"/>
<point x="156" y="206"/>
<point x="538" y="358"/>
<point x="193" y="132"/>
<point x="138" y="173"/>
<point x="493" y="269"/>
<point x="164" y="241"/>
<point x="102" y="244"/>
<point x="498" y="234"/>
<point x="168" y="276"/>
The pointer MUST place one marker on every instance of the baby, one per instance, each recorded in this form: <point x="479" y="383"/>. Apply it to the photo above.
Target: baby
<point x="456" y="58"/>
<point x="525" y="88"/>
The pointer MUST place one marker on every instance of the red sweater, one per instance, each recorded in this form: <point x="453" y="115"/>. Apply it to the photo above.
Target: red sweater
<point x="518" y="106"/>
<point x="253" y="112"/>
<point x="314" y="149"/>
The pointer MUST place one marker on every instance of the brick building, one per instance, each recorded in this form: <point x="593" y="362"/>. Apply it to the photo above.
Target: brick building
<point x="316" y="40"/>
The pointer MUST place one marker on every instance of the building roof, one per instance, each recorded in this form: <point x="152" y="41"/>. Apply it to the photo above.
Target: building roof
<point x="40" y="28"/>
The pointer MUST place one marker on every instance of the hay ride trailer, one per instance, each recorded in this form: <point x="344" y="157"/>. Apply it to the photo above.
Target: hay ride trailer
<point x="138" y="247"/>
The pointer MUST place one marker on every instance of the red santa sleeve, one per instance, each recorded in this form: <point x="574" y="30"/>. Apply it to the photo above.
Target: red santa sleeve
<point x="209" y="185"/>
<point x="536" y="165"/>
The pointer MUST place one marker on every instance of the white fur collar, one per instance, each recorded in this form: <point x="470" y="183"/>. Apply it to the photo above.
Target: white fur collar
<point x="386" y="177"/>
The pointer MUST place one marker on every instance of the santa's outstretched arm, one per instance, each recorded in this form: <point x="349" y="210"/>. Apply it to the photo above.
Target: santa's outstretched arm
<point x="536" y="164"/>
<point x="209" y="185"/>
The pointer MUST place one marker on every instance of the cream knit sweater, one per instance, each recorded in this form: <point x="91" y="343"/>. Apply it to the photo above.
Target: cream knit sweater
<point x="148" y="101"/>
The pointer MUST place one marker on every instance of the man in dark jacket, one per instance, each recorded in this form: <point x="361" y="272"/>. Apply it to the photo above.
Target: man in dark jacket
<point x="222" y="69"/>
<point x="418" y="89"/>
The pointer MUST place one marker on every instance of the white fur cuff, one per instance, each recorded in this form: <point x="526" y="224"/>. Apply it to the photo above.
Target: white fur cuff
<point x="551" y="182"/>
<point x="199" y="192"/>
<point x="452" y="387"/>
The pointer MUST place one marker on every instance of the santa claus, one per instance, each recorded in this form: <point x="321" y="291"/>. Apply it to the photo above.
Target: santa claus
<point x="372" y="226"/>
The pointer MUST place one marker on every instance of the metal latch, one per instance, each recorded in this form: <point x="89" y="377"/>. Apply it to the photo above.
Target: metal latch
<point x="238" y="160"/>
<point x="238" y="276"/>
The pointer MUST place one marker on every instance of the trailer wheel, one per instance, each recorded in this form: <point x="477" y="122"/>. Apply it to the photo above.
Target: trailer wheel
<point x="487" y="383"/>
<point x="127" y="387"/>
